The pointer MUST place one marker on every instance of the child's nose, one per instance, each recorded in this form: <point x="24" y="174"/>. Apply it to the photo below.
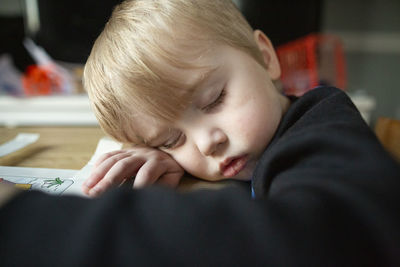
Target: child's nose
<point x="211" y="142"/>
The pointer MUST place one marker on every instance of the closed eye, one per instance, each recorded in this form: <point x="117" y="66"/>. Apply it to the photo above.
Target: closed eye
<point x="174" y="143"/>
<point x="218" y="101"/>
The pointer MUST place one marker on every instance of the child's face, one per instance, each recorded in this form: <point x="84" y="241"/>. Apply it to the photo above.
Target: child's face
<point x="235" y="112"/>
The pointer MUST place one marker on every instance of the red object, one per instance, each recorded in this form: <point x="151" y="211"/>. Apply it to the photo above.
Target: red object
<point x="316" y="59"/>
<point x="39" y="81"/>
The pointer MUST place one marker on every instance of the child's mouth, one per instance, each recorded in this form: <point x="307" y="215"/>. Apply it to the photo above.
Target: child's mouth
<point x="232" y="166"/>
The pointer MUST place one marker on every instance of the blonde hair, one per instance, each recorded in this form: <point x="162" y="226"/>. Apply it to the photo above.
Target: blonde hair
<point x="124" y="74"/>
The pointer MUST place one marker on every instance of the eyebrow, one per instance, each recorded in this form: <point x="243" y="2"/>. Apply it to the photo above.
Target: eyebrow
<point x="191" y="88"/>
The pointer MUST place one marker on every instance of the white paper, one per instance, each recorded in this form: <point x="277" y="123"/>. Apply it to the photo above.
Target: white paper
<point x="55" y="181"/>
<point x="52" y="181"/>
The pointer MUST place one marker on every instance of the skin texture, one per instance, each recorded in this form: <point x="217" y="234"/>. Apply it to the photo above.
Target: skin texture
<point x="234" y="114"/>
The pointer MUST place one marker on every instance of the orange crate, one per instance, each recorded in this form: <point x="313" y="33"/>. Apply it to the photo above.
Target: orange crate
<point x="313" y="60"/>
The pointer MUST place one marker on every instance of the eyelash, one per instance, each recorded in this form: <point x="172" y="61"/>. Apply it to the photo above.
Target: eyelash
<point x="217" y="102"/>
<point x="173" y="144"/>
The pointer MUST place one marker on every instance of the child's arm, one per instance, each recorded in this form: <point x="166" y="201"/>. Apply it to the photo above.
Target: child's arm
<point x="146" y="164"/>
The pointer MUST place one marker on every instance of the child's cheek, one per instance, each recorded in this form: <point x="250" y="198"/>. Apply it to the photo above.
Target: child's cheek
<point x="257" y="124"/>
<point x="192" y="162"/>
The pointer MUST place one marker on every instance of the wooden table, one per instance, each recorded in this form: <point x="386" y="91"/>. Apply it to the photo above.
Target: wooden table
<point x="57" y="147"/>
<point x="71" y="148"/>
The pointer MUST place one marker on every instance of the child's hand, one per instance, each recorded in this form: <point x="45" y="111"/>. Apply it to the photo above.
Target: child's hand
<point x="149" y="165"/>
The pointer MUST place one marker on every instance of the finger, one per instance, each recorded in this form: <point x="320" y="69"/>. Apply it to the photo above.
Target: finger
<point x="100" y="171"/>
<point x="119" y="172"/>
<point x="105" y="156"/>
<point x="149" y="173"/>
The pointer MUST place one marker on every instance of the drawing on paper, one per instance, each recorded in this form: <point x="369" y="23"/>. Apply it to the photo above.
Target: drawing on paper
<point x="50" y="185"/>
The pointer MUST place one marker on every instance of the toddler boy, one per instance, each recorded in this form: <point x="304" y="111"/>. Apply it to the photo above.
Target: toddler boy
<point x="190" y="84"/>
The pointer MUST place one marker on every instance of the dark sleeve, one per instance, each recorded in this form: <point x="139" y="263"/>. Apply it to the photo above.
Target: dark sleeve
<point x="307" y="216"/>
<point x="150" y="227"/>
<point x="330" y="176"/>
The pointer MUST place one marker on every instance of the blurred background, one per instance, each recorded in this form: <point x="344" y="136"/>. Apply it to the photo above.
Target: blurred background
<point x="352" y="44"/>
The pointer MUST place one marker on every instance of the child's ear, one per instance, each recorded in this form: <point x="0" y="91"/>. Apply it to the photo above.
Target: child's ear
<point x="268" y="52"/>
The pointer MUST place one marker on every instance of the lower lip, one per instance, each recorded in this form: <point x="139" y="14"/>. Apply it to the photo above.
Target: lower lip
<point x="234" y="167"/>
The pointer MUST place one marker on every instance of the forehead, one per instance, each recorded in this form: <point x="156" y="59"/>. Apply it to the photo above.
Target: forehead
<point x="179" y="68"/>
<point x="151" y="129"/>
<point x="185" y="59"/>
<point x="148" y="126"/>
